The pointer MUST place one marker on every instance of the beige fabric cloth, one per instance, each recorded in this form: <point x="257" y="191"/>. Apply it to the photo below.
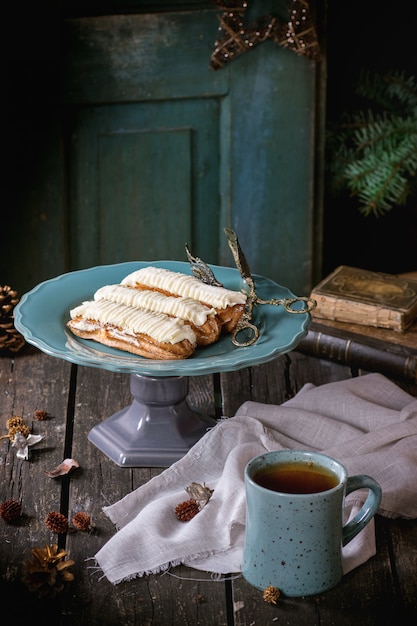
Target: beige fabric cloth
<point x="367" y="423"/>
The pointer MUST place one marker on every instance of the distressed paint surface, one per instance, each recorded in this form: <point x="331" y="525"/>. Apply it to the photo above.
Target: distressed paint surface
<point x="143" y="149"/>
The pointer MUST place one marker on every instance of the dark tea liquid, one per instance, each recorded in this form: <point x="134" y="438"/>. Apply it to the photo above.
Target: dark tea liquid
<point x="296" y="478"/>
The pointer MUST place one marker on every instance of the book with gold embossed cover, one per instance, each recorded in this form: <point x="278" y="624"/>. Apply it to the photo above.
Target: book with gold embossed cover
<point x="351" y="294"/>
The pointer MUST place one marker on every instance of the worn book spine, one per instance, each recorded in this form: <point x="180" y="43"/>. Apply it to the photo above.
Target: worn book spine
<point x="332" y="308"/>
<point x="394" y="363"/>
<point x="359" y="296"/>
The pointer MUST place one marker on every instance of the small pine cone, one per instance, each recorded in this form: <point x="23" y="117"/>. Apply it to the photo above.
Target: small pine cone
<point x="40" y="415"/>
<point x="271" y="595"/>
<point x="10" y="510"/>
<point x="81" y="521"/>
<point x="56" y="522"/>
<point x="11" y="341"/>
<point x="187" y="510"/>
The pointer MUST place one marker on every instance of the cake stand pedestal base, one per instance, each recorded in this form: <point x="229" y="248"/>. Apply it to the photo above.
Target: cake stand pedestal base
<point x="157" y="429"/>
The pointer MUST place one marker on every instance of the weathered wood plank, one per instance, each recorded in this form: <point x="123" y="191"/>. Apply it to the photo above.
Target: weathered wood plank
<point x="30" y="382"/>
<point x="273" y="383"/>
<point x="276" y="381"/>
<point x="403" y="546"/>
<point x="100" y="482"/>
<point x="34" y="382"/>
<point x="261" y="383"/>
<point x="269" y="381"/>
<point x="149" y="600"/>
<point x="250" y="608"/>
<point x="201" y="394"/>
<point x="305" y="369"/>
<point x="188" y="597"/>
<point x="383" y="590"/>
<point x="368" y="595"/>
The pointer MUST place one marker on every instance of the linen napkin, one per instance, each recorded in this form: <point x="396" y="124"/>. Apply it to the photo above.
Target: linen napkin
<point x="367" y="423"/>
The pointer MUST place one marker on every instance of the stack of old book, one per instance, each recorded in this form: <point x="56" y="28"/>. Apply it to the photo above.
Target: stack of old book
<point x="368" y="319"/>
<point x="350" y="294"/>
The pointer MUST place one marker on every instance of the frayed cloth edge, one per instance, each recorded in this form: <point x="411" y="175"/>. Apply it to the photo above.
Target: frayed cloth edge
<point x="160" y="569"/>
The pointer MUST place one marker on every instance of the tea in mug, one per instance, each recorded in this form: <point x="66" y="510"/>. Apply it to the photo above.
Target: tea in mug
<point x="296" y="477"/>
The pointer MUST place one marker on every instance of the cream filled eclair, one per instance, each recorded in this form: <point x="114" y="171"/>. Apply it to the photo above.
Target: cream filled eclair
<point x="229" y="304"/>
<point x="201" y="318"/>
<point x="148" y="334"/>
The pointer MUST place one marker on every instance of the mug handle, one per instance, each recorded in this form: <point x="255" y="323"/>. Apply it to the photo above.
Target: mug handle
<point x="369" y="508"/>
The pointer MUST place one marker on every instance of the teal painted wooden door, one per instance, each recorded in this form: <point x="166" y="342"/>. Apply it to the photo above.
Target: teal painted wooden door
<point x="148" y="183"/>
<point x="166" y="152"/>
<point x="146" y="149"/>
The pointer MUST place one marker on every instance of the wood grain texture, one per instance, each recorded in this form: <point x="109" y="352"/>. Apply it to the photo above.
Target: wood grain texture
<point x="383" y="590"/>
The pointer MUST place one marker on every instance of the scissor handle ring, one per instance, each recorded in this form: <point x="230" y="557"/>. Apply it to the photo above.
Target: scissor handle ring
<point x="288" y="302"/>
<point x="254" y="334"/>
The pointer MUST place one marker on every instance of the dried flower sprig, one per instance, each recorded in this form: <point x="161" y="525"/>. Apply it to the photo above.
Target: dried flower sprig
<point x="47" y="572"/>
<point x="16" y="424"/>
<point x="20" y="436"/>
<point x="22" y="444"/>
<point x="200" y="493"/>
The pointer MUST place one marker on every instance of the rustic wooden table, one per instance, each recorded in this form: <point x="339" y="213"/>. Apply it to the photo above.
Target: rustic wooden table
<point x="76" y="398"/>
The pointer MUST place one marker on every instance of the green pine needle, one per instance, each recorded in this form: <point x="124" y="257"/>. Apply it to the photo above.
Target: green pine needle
<point x="374" y="152"/>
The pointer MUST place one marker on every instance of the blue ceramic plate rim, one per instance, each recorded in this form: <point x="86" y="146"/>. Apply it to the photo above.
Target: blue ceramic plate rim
<point x="42" y="313"/>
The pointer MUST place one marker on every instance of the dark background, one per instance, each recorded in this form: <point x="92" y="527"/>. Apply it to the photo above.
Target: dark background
<point x="366" y="34"/>
<point x="358" y="34"/>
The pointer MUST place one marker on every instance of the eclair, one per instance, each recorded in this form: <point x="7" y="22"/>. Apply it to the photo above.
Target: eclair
<point x="201" y="318"/>
<point x="128" y="328"/>
<point x="229" y="304"/>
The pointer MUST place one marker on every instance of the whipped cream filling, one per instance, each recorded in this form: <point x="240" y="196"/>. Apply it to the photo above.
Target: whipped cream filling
<point x="132" y="320"/>
<point x="185" y="308"/>
<point x="184" y="285"/>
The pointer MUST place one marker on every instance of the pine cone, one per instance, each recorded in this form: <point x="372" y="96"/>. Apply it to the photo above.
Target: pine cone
<point x="187" y="510"/>
<point x="10" y="510"/>
<point x="11" y="341"/>
<point x="56" y="522"/>
<point x="81" y="521"/>
<point x="271" y="594"/>
<point x="40" y="415"/>
<point x="47" y="572"/>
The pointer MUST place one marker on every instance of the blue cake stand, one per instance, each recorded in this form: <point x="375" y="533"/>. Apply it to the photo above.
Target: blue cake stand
<point x="159" y="427"/>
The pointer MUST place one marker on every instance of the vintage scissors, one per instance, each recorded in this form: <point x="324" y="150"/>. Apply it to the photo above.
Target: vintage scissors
<point x="245" y="323"/>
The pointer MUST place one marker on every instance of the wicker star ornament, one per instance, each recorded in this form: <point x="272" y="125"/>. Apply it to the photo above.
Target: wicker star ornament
<point x="297" y="33"/>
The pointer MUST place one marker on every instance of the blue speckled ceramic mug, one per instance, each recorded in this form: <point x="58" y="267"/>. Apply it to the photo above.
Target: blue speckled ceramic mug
<point x="294" y="520"/>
